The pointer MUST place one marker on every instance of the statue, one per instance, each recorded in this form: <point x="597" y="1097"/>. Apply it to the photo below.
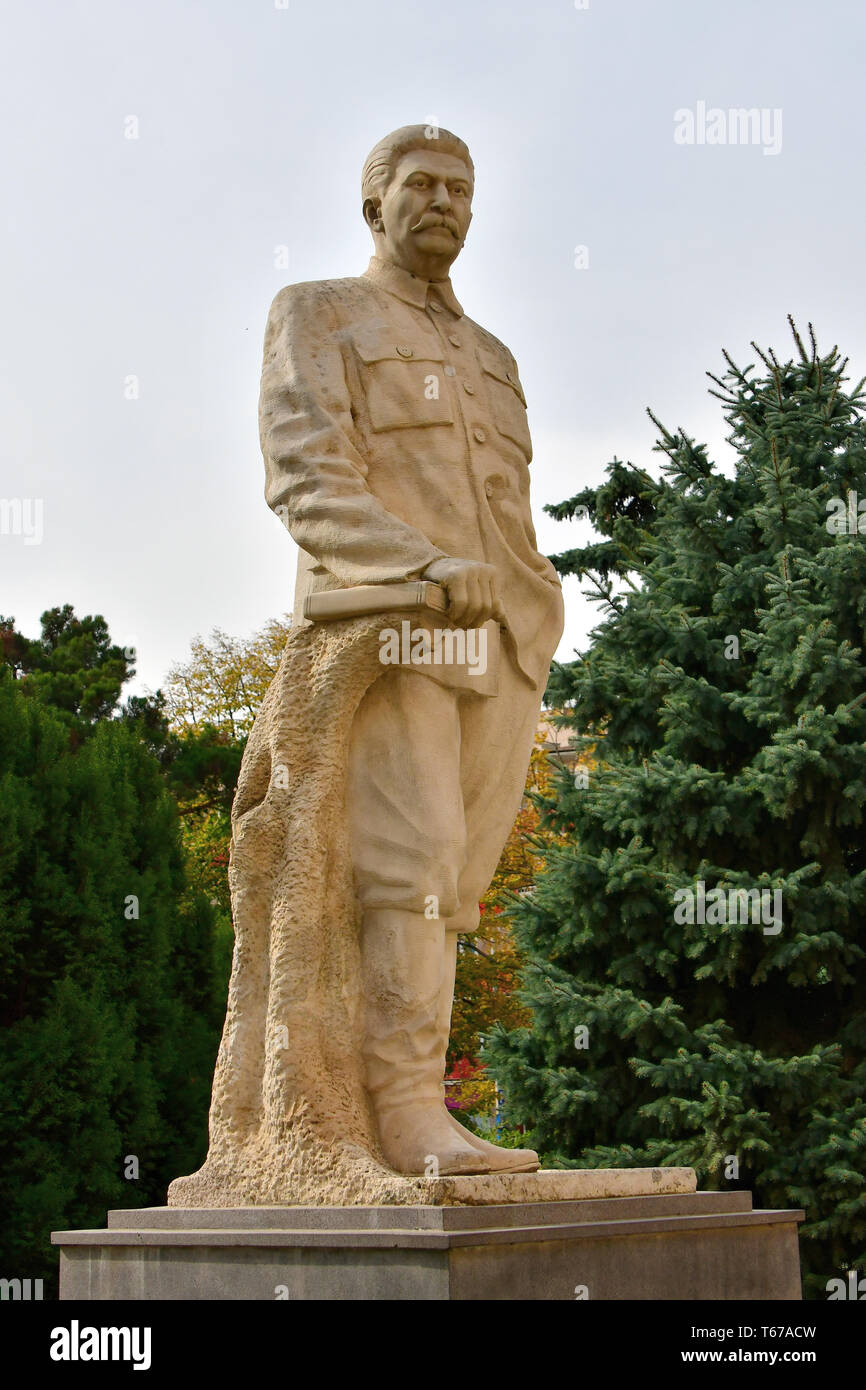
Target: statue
<point x="387" y="763"/>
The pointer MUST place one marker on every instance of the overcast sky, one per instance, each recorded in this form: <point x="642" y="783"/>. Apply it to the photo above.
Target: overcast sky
<point x="155" y="257"/>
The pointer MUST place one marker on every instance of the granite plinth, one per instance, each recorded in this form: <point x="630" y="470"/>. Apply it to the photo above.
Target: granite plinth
<point x="694" y="1245"/>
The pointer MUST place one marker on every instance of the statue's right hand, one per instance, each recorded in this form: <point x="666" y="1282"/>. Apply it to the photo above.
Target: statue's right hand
<point x="471" y="589"/>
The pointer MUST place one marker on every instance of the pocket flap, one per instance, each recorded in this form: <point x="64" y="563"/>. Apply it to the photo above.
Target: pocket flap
<point x="497" y="367"/>
<point x="383" y="350"/>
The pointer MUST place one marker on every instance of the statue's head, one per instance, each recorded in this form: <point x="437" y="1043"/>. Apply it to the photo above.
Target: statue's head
<point x="417" y="189"/>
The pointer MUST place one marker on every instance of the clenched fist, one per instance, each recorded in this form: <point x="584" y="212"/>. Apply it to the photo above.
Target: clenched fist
<point x="471" y="589"/>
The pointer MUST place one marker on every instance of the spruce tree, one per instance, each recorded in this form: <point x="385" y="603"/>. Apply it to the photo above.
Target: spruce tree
<point x="723" y="696"/>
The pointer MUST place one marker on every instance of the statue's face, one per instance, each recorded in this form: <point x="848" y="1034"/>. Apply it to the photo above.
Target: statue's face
<point x="421" y="220"/>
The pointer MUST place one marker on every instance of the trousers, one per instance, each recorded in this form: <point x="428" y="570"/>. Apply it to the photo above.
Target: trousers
<point x="435" y="782"/>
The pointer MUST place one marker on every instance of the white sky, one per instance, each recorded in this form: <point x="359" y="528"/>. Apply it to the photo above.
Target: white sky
<point x="155" y="256"/>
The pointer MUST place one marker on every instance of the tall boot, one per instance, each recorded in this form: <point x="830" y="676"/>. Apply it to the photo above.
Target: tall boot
<point x="497" y="1160"/>
<point x="403" y="958"/>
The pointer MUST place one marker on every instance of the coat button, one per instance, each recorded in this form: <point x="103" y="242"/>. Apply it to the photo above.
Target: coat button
<point x="434" y="305"/>
<point x="455" y="342"/>
<point x="405" y="351"/>
<point x="479" y="434"/>
<point x="470" y="390"/>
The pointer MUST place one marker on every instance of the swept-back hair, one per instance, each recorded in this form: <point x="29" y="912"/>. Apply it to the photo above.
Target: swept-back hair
<point x="382" y="160"/>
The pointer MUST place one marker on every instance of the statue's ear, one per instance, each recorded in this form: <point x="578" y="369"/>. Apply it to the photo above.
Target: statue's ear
<point x="372" y="211"/>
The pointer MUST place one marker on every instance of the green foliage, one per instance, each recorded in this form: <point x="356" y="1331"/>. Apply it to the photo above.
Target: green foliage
<point x="723" y="693"/>
<point x="111" y="998"/>
<point x="73" y="666"/>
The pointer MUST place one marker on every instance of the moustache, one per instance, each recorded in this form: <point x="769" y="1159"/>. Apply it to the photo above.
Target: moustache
<point x="433" y="219"/>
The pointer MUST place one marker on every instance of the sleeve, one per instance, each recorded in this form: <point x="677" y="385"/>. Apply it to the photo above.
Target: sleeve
<point x="312" y="469"/>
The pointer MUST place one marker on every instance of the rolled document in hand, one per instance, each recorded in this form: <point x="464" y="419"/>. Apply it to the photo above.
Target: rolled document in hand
<point x="362" y="599"/>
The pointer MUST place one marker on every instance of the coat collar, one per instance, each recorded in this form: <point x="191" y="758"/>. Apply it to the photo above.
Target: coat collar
<point x="410" y="288"/>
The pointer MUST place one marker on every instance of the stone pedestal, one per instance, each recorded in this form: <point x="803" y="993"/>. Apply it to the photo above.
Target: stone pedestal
<point x="540" y="1242"/>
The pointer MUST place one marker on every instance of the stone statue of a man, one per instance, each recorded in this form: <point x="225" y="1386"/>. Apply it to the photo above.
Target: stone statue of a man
<point x="396" y="448"/>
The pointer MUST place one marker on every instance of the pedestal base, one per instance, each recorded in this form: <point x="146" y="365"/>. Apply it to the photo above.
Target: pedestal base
<point x="706" y="1245"/>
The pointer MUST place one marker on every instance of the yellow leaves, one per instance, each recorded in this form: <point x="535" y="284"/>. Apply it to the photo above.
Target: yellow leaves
<point x="225" y="679"/>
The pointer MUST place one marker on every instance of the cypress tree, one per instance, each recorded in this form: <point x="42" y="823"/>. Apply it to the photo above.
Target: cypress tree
<point x="109" y="1020"/>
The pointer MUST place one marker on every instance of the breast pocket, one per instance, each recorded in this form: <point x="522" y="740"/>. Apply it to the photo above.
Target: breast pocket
<point x="507" y="402"/>
<point x="404" y="385"/>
